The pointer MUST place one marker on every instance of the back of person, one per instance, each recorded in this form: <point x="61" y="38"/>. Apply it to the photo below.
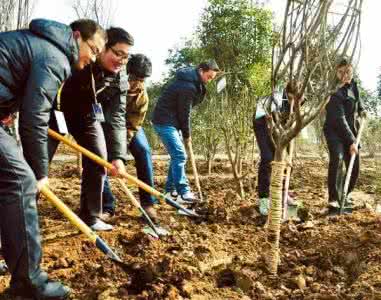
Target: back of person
<point x="20" y="52"/>
<point x="185" y="90"/>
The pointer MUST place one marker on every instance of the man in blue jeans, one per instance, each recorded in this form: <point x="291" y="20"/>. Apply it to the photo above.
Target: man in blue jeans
<point x="171" y="116"/>
<point x="139" y="67"/>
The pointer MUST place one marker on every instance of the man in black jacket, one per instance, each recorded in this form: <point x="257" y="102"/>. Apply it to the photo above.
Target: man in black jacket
<point x="33" y="64"/>
<point x="172" y="114"/>
<point x="340" y="130"/>
<point x="94" y="104"/>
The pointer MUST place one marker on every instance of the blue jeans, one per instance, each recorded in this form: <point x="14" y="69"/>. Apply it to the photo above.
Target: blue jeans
<point x="172" y="141"/>
<point x="141" y="152"/>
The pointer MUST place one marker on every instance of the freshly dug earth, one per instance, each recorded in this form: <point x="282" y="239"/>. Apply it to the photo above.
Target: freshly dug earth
<point x="222" y="256"/>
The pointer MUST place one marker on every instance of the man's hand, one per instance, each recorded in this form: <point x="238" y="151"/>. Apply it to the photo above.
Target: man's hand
<point x="41" y="183"/>
<point x="8" y="121"/>
<point x="118" y="167"/>
<point x="353" y="149"/>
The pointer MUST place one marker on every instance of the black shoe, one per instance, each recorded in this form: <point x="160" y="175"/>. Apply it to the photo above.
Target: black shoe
<point x="50" y="290"/>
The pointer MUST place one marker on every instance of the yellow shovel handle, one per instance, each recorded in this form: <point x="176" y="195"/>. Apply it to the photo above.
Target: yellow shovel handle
<point x="68" y="213"/>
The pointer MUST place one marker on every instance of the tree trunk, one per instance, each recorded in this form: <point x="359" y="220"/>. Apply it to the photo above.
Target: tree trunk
<point x="275" y="216"/>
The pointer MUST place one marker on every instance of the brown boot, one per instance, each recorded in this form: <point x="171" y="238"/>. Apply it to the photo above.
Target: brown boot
<point x="151" y="212"/>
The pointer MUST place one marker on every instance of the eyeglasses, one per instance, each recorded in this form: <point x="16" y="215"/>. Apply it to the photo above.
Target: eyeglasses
<point x="119" y="54"/>
<point x="94" y="50"/>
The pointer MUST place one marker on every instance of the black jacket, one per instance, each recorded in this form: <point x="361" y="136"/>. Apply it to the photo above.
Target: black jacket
<point x="174" y="105"/>
<point x="77" y="98"/>
<point x="33" y="63"/>
<point x="342" y="109"/>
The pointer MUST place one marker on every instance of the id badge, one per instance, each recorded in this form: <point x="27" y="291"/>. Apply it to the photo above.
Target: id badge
<point x="61" y="123"/>
<point x="98" y="112"/>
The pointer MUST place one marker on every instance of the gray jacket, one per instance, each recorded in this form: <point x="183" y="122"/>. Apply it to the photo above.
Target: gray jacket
<point x="33" y="64"/>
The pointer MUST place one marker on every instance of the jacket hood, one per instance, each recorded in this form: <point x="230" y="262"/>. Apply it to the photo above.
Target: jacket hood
<point x="58" y="34"/>
<point x="188" y="74"/>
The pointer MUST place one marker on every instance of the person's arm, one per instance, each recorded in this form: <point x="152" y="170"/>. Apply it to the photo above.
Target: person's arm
<point x="184" y="106"/>
<point x="40" y="91"/>
<point x="114" y="109"/>
<point x="137" y="107"/>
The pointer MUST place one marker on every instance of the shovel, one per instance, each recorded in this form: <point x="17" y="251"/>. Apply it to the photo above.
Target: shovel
<point x="77" y="222"/>
<point x="194" y="168"/>
<point x="350" y="168"/>
<point x="156" y="231"/>
<point x="130" y="178"/>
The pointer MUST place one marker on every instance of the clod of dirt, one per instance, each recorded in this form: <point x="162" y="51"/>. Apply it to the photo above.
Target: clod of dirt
<point x="300" y="281"/>
<point x="226" y="278"/>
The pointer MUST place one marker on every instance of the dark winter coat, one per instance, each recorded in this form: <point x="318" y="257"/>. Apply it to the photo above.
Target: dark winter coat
<point x="33" y="64"/>
<point x="78" y="97"/>
<point x="175" y="103"/>
<point x="342" y="110"/>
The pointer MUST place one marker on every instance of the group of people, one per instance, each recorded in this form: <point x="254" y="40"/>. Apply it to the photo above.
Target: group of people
<point x="83" y="79"/>
<point x="341" y="127"/>
<point x="88" y="75"/>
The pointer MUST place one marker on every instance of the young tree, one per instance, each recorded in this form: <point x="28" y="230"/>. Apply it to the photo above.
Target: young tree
<point x="313" y="35"/>
<point x="238" y="35"/>
<point x="99" y="10"/>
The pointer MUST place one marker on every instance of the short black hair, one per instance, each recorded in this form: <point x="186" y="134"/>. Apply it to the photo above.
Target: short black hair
<point x="208" y="65"/>
<point x="139" y="65"/>
<point x="87" y="28"/>
<point x="117" y="35"/>
<point x="343" y="62"/>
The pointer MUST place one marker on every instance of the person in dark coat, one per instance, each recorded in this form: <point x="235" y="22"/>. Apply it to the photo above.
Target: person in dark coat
<point x="139" y="67"/>
<point x="171" y="116"/>
<point x="102" y="84"/>
<point x="340" y="130"/>
<point x="33" y="64"/>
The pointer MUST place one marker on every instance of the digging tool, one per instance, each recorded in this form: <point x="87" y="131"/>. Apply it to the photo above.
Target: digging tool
<point x="189" y="148"/>
<point x="129" y="178"/>
<point x="155" y="231"/>
<point x="287" y="179"/>
<point x="77" y="222"/>
<point x="350" y="168"/>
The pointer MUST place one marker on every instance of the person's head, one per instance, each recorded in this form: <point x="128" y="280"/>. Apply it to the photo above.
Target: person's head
<point x="115" y="54"/>
<point x="344" y="71"/>
<point x="139" y="67"/>
<point x="91" y="39"/>
<point x="208" y="70"/>
<point x="292" y="89"/>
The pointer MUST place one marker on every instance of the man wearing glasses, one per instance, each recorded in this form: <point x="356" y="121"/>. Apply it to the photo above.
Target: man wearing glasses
<point x="33" y="64"/>
<point x="93" y="101"/>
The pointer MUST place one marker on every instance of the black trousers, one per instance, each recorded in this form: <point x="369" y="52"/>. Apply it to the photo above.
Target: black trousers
<point x="89" y="134"/>
<point x="267" y="151"/>
<point x="20" y="232"/>
<point x="339" y="157"/>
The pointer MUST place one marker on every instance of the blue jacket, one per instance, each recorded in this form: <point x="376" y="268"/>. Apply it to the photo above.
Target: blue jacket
<point x="174" y="105"/>
<point x="33" y="64"/>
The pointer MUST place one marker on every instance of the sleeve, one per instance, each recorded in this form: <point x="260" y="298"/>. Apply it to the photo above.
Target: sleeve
<point x="36" y="104"/>
<point x="114" y="127"/>
<point x="336" y="113"/>
<point x="136" y="111"/>
<point x="184" y="106"/>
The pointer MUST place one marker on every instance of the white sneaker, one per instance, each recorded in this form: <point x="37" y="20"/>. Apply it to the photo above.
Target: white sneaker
<point x="187" y="198"/>
<point x="173" y="195"/>
<point x="264" y="206"/>
<point x="99" y="225"/>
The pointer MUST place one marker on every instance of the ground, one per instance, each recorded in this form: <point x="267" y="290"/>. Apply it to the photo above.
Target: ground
<point x="222" y="257"/>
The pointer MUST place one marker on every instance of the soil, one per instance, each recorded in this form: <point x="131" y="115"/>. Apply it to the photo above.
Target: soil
<point x="223" y="255"/>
